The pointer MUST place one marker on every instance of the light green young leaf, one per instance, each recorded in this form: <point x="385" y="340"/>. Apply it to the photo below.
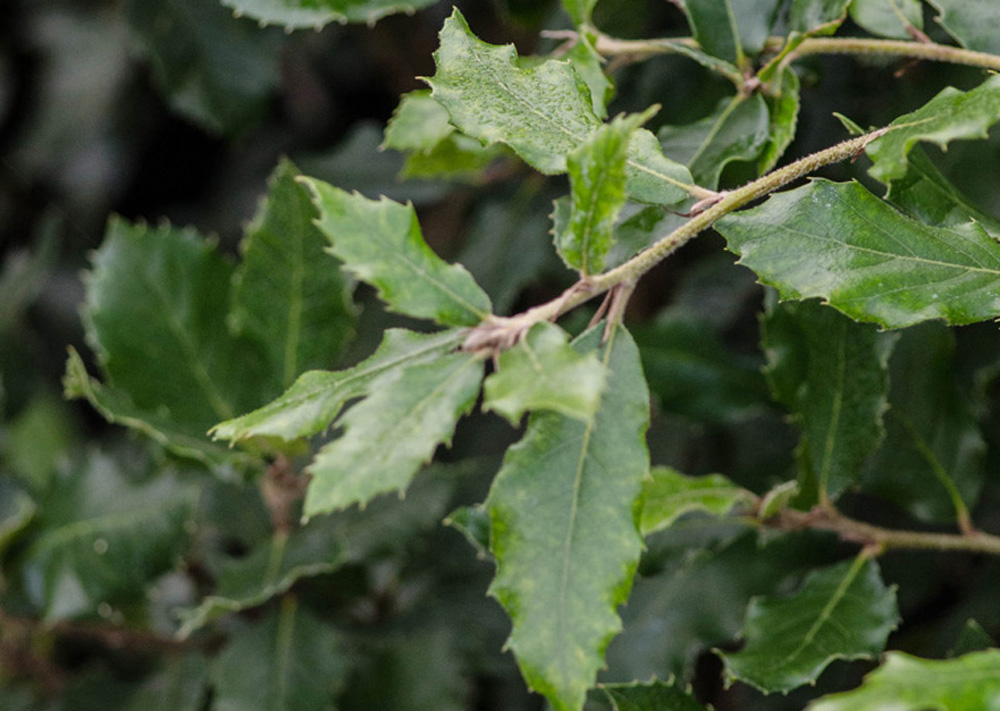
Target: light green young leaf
<point x="95" y="546"/>
<point x="289" y="661"/>
<point x="667" y="495"/>
<point x="419" y="123"/>
<point x="932" y="461"/>
<point x="839" y="242"/>
<point x="832" y="374"/>
<point x="317" y="397"/>
<point x="543" y="372"/>
<point x="458" y="158"/>
<point x="590" y="66"/>
<point x="288" y="294"/>
<point x="156" y="310"/>
<point x="888" y="18"/>
<point x="391" y="433"/>
<point x="842" y="612"/>
<point x="651" y="696"/>
<point x="777" y="498"/>
<point x="907" y="683"/>
<point x="597" y="193"/>
<point x="116" y="407"/>
<point x="543" y="112"/>
<point x="268" y="571"/>
<point x="783" y="113"/>
<point x="215" y="68"/>
<point x="736" y="131"/>
<point x="579" y="10"/>
<point x="816" y="16"/>
<point x="294" y="14"/>
<point x="379" y="241"/>
<point x="728" y="28"/>
<point x="949" y="116"/>
<point x="563" y="511"/>
<point x="971" y="22"/>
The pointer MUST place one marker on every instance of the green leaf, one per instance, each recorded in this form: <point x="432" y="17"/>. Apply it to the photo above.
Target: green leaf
<point x="932" y="461"/>
<point x="832" y="374"/>
<point x="816" y="16"/>
<point x="391" y="433"/>
<point x="840" y="242"/>
<point x="926" y="194"/>
<point x="888" y="18"/>
<point x="317" y="397"/>
<point x="289" y="661"/>
<point x="597" y="192"/>
<point x="16" y="511"/>
<point x="116" y="407"/>
<point x="379" y="241"/>
<point x="267" y="572"/>
<point x="216" y="69"/>
<point x="736" y="131"/>
<point x="543" y="112"/>
<point x="288" y="294"/>
<point x="579" y="10"/>
<point x="973" y="638"/>
<point x="180" y="686"/>
<point x="652" y="696"/>
<point x="728" y="28"/>
<point x="949" y="116"/>
<point x="101" y="538"/>
<point x="156" y="309"/>
<point x="783" y="113"/>
<point x="970" y="22"/>
<point x="589" y="64"/>
<point x="419" y="123"/>
<point x="777" y="499"/>
<point x="667" y="495"/>
<point x="473" y="522"/>
<point x="842" y="612"/>
<point x="563" y="510"/>
<point x="907" y="683"/>
<point x="458" y="157"/>
<point x="294" y="14"/>
<point x="543" y="372"/>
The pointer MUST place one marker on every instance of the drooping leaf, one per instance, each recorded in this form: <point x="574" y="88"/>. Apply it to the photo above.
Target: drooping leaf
<point x="888" y="18"/>
<point x="317" y="397"/>
<point x="217" y="69"/>
<point x="908" y="683"/>
<point x="102" y="537"/>
<point x="926" y="194"/>
<point x="839" y="242"/>
<point x="16" y="511"/>
<point x="971" y="22"/>
<point x="842" y="612"/>
<point x="949" y="116"/>
<point x="268" y="571"/>
<point x="597" y="194"/>
<point x="379" y="241"/>
<point x="932" y="460"/>
<point x="667" y="495"/>
<point x="156" y="309"/>
<point x="116" y="407"/>
<point x="288" y="661"/>
<point x="816" y="16"/>
<point x="735" y="131"/>
<point x="543" y="372"/>
<point x="288" y="294"/>
<point x="563" y="511"/>
<point x="783" y="113"/>
<point x="542" y="112"/>
<point x="651" y="696"/>
<point x="728" y="28"/>
<point x="391" y="433"/>
<point x="293" y="14"/>
<point x="419" y="123"/>
<point x="832" y="374"/>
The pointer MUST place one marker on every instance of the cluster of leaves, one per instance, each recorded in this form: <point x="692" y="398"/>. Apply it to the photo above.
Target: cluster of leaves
<point x="245" y="543"/>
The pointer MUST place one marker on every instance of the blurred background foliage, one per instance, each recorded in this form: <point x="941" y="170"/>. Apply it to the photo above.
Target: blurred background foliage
<point x="179" y="111"/>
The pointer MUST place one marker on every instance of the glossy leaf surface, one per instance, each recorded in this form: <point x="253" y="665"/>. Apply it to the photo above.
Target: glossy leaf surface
<point x="563" y="511"/>
<point x="317" y="397"/>
<point x="843" y="612"/>
<point x="908" y="683"/>
<point x="667" y="495"/>
<point x="543" y="372"/>
<point x="839" y="242"/>
<point x="391" y="433"/>
<point x="810" y="16"/>
<point x="379" y="241"/>
<point x="971" y="22"/>
<point x="728" y="28"/>
<point x="888" y="18"/>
